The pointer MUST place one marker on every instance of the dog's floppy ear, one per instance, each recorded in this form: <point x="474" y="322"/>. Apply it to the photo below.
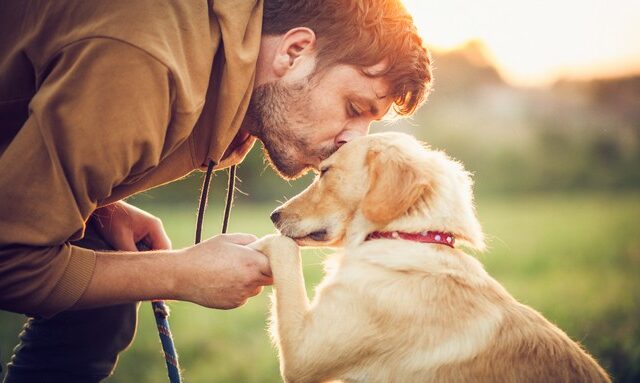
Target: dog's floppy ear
<point x="395" y="184"/>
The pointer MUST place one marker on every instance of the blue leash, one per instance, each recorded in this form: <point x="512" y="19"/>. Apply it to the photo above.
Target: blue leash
<point x="160" y="309"/>
<point x="161" y="313"/>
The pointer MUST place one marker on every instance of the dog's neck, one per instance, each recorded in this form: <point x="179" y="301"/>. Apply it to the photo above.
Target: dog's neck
<point x="414" y="221"/>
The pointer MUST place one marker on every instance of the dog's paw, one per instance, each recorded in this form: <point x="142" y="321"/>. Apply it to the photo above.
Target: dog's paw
<point x="274" y="244"/>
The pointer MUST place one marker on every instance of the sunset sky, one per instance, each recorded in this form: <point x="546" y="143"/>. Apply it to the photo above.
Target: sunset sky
<point x="537" y="41"/>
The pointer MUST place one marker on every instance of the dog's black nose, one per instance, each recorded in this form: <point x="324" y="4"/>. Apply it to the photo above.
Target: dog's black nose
<point x="275" y="216"/>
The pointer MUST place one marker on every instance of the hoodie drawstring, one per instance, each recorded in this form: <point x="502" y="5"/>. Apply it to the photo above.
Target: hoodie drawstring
<point x="231" y="187"/>
<point x="204" y="197"/>
<point x="203" y="201"/>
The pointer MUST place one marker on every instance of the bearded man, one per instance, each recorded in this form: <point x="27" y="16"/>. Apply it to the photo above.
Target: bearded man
<point x="103" y="99"/>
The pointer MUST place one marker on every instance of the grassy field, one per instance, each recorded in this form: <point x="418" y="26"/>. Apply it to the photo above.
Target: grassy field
<point x="574" y="258"/>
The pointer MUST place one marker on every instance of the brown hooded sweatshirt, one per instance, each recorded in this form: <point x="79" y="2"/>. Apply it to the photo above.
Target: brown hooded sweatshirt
<point x="99" y="100"/>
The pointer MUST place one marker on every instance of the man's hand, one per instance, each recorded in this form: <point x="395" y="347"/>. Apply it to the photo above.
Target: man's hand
<point x="222" y="272"/>
<point x="123" y="225"/>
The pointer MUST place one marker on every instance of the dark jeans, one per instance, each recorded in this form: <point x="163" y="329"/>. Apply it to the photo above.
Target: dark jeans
<point x="73" y="346"/>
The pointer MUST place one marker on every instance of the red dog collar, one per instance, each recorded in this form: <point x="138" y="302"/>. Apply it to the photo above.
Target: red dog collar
<point x="424" y="236"/>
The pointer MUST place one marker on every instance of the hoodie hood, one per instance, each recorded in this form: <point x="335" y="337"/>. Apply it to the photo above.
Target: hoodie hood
<point x="239" y="27"/>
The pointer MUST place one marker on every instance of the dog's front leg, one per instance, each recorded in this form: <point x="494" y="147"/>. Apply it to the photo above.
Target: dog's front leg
<point x="290" y="304"/>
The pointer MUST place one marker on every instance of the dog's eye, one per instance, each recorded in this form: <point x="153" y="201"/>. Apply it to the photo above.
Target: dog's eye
<point x="324" y="170"/>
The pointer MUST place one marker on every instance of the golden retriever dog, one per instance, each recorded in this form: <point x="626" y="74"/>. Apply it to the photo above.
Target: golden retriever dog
<point x="402" y="302"/>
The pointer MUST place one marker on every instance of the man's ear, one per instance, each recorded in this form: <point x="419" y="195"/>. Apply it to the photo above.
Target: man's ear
<point x="295" y="44"/>
<point x="395" y="184"/>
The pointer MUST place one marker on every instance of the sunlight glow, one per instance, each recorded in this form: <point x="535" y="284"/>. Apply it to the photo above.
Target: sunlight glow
<point x="537" y="42"/>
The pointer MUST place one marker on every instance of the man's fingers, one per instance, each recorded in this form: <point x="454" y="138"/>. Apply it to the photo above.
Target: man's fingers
<point x="265" y="269"/>
<point x="159" y="239"/>
<point x="125" y="242"/>
<point x="239" y="238"/>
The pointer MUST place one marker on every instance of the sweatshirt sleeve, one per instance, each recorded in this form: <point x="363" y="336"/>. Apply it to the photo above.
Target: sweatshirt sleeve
<point x="99" y="116"/>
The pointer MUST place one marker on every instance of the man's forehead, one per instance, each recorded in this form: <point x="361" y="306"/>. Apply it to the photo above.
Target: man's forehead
<point x="351" y="77"/>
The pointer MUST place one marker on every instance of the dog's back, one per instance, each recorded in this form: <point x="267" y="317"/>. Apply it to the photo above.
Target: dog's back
<point x="527" y="348"/>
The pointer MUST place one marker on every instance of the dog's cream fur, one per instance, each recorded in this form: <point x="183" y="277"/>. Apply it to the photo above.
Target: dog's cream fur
<point x="396" y="310"/>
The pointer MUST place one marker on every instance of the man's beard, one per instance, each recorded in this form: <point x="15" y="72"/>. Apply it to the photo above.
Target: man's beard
<point x="270" y="117"/>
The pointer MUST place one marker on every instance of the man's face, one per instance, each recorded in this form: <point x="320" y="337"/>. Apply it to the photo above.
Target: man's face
<point x="303" y="122"/>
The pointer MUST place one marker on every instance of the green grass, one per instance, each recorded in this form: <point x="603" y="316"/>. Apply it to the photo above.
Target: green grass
<point x="574" y="258"/>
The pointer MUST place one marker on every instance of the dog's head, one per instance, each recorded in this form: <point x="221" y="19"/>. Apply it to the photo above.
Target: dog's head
<point x="381" y="182"/>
